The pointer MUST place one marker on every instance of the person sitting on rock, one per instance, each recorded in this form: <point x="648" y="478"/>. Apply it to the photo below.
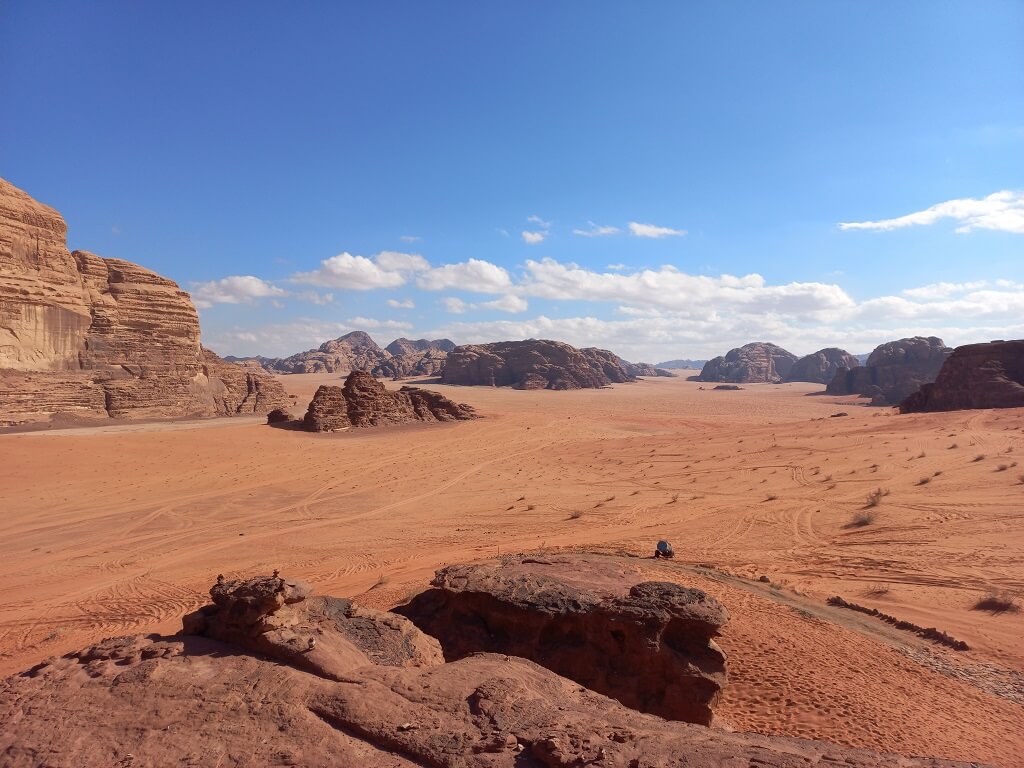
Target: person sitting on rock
<point x="664" y="549"/>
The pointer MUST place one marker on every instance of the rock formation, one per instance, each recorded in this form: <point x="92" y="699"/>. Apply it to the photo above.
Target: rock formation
<point x="356" y="351"/>
<point x="975" y="376"/>
<point x="365" y="402"/>
<point x="89" y="336"/>
<point x="820" y="367"/>
<point x="271" y="676"/>
<point x="694" y="365"/>
<point x="894" y="370"/>
<point x="646" y="369"/>
<point x="647" y="644"/>
<point x="533" y="364"/>
<point x="758" y="361"/>
<point x="404" y="346"/>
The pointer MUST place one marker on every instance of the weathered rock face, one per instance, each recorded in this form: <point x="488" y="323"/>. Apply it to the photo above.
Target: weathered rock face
<point x="429" y="362"/>
<point x="365" y="402"/>
<point x="90" y="336"/>
<point x="270" y="675"/>
<point x="647" y="644"/>
<point x="821" y="366"/>
<point x="694" y="365"/>
<point x="533" y="364"/>
<point x="404" y="346"/>
<point x="646" y="369"/>
<point x="975" y="376"/>
<point x="354" y="351"/>
<point x="894" y="370"/>
<point x="755" y="362"/>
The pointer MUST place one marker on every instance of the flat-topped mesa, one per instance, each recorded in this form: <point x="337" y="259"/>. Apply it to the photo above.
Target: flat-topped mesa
<point x="533" y="364"/>
<point x="90" y="336"/>
<point x="894" y="370"/>
<point x="821" y="367"/>
<point x="365" y="402"/>
<point x="759" y="361"/>
<point x="975" y="376"/>
<point x="648" y="644"/>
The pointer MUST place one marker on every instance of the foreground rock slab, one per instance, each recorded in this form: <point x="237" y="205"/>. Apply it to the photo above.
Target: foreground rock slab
<point x="647" y="644"/>
<point x="365" y="402"/>
<point x="368" y="689"/>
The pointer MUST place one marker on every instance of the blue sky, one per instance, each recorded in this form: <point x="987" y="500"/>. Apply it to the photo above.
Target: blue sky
<point x="415" y="168"/>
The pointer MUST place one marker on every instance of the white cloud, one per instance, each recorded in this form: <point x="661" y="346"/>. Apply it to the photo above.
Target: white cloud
<point x="406" y="304"/>
<point x="350" y="272"/>
<point x="942" y="290"/>
<point x="401" y="262"/>
<point x="474" y="275"/>
<point x="1002" y="211"/>
<point x="236" y="289"/>
<point x="596" y="230"/>
<point x="539" y="222"/>
<point x="509" y="303"/>
<point x="410" y="238"/>
<point x="320" y="299"/>
<point x="454" y="305"/>
<point x="652" y="230"/>
<point x="369" y="323"/>
<point x="533" y="238"/>
<point x="616" y="267"/>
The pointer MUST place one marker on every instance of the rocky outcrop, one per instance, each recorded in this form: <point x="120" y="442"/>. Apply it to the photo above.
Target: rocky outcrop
<point x="647" y="644"/>
<point x="365" y="402"/>
<point x="758" y="361"/>
<point x="894" y="371"/>
<point x="975" y="376"/>
<point x="820" y="367"/>
<point x="403" y="346"/>
<point x="646" y="369"/>
<point x="272" y="675"/>
<point x="429" y="362"/>
<point x="533" y="364"/>
<point x="89" y="336"/>
<point x="354" y="351"/>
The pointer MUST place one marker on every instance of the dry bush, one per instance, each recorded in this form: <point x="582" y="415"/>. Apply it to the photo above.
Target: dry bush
<point x="954" y="445"/>
<point x="576" y="514"/>
<point x="1002" y="467"/>
<point x="876" y="496"/>
<point x="876" y="590"/>
<point x="998" y="602"/>
<point x="771" y="497"/>
<point x="863" y="517"/>
<point x="675" y="498"/>
<point x="979" y="457"/>
<point x="924" y="481"/>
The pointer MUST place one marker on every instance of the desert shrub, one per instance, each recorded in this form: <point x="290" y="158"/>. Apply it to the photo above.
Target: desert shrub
<point x="998" y="602"/>
<point x="576" y="514"/>
<point x="979" y="457"/>
<point x="876" y="496"/>
<point x="771" y="497"/>
<point x="863" y="517"/>
<point x="877" y="590"/>
<point x="1002" y="467"/>
<point x="924" y="481"/>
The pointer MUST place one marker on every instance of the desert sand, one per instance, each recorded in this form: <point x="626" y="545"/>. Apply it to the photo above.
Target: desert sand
<point x="111" y="530"/>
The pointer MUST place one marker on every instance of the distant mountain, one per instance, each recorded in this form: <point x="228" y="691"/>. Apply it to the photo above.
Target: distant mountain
<point x="695" y="365"/>
<point x="356" y="351"/>
<point x="863" y="359"/>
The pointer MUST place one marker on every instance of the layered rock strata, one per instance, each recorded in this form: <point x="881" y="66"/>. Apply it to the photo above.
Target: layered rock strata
<point x="975" y="376"/>
<point x="365" y="402"/>
<point x="533" y="364"/>
<point x="755" y="362"/>
<point x="647" y="644"/>
<point x="89" y="336"/>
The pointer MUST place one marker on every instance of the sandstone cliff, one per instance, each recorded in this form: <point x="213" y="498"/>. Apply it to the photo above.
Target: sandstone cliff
<point x="975" y="376"/>
<point x="533" y="364"/>
<point x="365" y="402"/>
<point x="893" y="371"/>
<point x="821" y="367"/>
<point x="89" y="336"/>
<point x="755" y="362"/>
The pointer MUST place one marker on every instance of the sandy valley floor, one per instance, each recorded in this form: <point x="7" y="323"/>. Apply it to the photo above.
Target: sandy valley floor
<point x="115" y="530"/>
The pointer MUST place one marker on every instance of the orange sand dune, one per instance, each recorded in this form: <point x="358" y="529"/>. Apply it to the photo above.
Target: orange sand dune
<point x="111" y="530"/>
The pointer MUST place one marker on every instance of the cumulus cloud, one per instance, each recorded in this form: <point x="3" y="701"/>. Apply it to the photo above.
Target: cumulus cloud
<point x="369" y="323"/>
<point x="405" y="304"/>
<point x="595" y="230"/>
<point x="509" y="303"/>
<point x="454" y="304"/>
<point x="235" y="289"/>
<point x="533" y="238"/>
<point x="654" y="231"/>
<point x="388" y="269"/>
<point x="1001" y="211"/>
<point x="473" y="275"/>
<point x="539" y="222"/>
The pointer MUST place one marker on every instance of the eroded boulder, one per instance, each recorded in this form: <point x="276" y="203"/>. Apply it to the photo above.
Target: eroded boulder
<point x="975" y="376"/>
<point x="647" y="644"/>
